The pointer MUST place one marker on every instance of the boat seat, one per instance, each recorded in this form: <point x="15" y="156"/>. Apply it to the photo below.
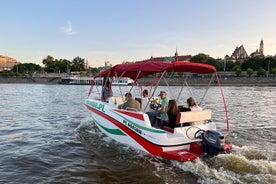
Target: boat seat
<point x="189" y="118"/>
<point x="194" y="117"/>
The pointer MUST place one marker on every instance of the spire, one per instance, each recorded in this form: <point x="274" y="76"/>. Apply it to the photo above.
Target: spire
<point x="261" y="48"/>
<point x="176" y="53"/>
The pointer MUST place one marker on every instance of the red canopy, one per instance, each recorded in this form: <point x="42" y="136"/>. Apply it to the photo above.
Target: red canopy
<point x="199" y="68"/>
<point x="147" y="68"/>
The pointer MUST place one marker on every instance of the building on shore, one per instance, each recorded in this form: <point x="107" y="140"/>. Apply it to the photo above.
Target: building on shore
<point x="241" y="55"/>
<point x="260" y="52"/>
<point x="174" y="58"/>
<point x="7" y="63"/>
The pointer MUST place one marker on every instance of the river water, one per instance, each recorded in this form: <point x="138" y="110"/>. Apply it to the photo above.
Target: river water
<point x="47" y="136"/>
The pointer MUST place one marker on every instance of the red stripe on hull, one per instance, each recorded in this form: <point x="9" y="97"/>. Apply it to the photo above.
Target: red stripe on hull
<point x="134" y="115"/>
<point x="150" y="147"/>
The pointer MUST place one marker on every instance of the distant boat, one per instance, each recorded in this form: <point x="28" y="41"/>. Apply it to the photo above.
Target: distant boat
<point x="116" y="81"/>
<point x="74" y="78"/>
<point x="124" y="81"/>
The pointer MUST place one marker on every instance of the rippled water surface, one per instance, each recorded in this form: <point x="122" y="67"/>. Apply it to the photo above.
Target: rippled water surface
<point x="47" y="136"/>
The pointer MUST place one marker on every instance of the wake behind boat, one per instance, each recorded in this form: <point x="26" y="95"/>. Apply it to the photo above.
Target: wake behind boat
<point x="195" y="135"/>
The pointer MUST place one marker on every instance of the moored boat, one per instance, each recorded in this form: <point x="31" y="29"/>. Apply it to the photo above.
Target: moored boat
<point x="195" y="135"/>
<point x="122" y="81"/>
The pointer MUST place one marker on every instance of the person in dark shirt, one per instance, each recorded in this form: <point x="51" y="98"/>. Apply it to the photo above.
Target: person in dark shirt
<point x="106" y="89"/>
<point x="172" y="112"/>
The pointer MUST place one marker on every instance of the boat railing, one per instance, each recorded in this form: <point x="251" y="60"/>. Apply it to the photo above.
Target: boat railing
<point x="131" y="109"/>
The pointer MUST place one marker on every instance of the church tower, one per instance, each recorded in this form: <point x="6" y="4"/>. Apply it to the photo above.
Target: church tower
<point x="262" y="48"/>
<point x="176" y="55"/>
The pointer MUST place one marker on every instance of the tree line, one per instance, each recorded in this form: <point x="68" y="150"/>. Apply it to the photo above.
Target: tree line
<point x="52" y="65"/>
<point x="259" y="65"/>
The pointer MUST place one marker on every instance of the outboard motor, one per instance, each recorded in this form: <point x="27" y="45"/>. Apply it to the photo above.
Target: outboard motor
<point x="213" y="142"/>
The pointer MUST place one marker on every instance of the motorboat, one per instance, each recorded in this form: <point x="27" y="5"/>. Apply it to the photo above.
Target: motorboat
<point x="195" y="137"/>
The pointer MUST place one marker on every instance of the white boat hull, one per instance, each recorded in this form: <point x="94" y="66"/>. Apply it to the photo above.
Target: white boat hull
<point x="134" y="129"/>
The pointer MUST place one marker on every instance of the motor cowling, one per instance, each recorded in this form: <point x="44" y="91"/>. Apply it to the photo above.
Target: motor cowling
<point x="213" y="142"/>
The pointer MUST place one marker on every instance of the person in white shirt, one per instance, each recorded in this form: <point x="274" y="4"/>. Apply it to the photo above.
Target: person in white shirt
<point x="192" y="105"/>
<point x="145" y="106"/>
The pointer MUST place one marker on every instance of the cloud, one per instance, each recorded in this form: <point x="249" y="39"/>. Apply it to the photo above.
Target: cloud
<point x="68" y="29"/>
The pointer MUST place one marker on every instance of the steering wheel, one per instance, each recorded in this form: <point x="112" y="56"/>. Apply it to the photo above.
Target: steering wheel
<point x="154" y="106"/>
<point x="191" y="135"/>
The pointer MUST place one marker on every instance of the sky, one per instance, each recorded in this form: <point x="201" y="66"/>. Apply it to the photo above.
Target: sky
<point x="133" y="30"/>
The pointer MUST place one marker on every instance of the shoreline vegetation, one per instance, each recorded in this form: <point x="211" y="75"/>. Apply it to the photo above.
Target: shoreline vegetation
<point x="192" y="81"/>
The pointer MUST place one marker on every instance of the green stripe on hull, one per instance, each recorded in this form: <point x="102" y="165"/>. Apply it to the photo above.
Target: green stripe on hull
<point x="111" y="131"/>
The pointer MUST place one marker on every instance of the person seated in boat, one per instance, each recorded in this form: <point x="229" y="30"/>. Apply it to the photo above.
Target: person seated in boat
<point x="172" y="113"/>
<point x="182" y="108"/>
<point x="192" y="105"/>
<point x="106" y="89"/>
<point x="130" y="104"/>
<point x="145" y="106"/>
<point x="162" y="113"/>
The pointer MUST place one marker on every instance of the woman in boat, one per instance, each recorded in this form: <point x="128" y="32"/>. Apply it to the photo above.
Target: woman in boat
<point x="192" y="105"/>
<point x="172" y="112"/>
